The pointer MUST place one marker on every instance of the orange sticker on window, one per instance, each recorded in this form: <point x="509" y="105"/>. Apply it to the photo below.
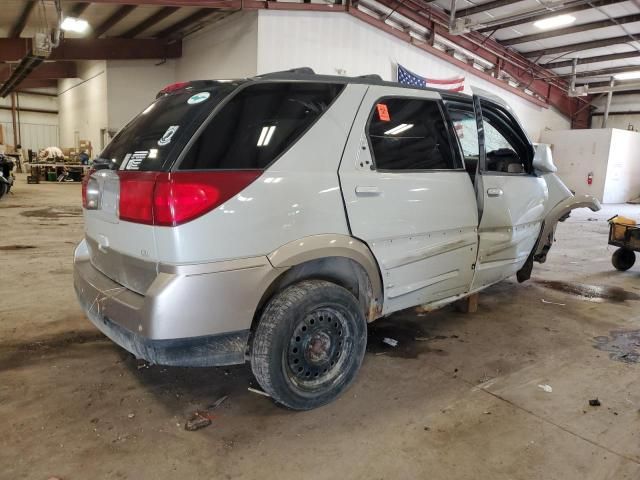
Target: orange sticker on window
<point x="383" y="112"/>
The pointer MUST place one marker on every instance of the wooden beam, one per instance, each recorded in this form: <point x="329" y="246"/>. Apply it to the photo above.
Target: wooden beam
<point x="17" y="28"/>
<point x="149" y="22"/>
<point x="34" y="83"/>
<point x="544" y="14"/>
<point x="596" y="59"/>
<point x="47" y="70"/>
<point x="78" y="9"/>
<point x="218" y="4"/>
<point x="195" y="17"/>
<point x="577" y="47"/>
<point x="32" y="92"/>
<point x="32" y="110"/>
<point x="14" y="49"/>
<point x="569" y="30"/>
<point x="113" y="19"/>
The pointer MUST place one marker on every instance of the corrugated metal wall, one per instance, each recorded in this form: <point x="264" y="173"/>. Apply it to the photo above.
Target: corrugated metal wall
<point x="34" y="136"/>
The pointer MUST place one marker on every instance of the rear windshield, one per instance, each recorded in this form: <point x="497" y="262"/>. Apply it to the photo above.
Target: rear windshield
<point x="154" y="138"/>
<point x="258" y="124"/>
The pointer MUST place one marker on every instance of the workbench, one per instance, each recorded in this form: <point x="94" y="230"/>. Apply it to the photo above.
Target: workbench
<point x="40" y="169"/>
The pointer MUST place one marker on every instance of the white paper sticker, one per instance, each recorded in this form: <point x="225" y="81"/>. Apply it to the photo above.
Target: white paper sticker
<point x="166" y="138"/>
<point x="136" y="159"/>
<point x="198" y="98"/>
<point x="123" y="165"/>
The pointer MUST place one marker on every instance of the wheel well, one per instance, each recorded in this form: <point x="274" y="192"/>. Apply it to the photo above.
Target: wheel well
<point x="342" y="271"/>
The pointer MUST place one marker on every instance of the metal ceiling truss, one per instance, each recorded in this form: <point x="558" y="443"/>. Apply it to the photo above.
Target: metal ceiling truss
<point x="471" y="51"/>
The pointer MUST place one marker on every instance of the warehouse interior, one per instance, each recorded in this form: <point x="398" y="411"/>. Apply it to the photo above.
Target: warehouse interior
<point x="517" y="380"/>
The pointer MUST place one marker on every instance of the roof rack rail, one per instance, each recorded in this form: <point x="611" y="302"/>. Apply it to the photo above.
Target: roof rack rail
<point x="370" y="76"/>
<point x="298" y="71"/>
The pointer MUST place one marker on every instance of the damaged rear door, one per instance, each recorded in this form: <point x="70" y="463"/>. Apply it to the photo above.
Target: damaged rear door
<point x="408" y="196"/>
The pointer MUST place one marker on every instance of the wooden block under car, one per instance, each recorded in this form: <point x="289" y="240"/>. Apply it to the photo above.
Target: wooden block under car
<point x="468" y="304"/>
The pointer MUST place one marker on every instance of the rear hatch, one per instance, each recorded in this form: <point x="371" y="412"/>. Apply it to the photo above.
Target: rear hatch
<point x="119" y="227"/>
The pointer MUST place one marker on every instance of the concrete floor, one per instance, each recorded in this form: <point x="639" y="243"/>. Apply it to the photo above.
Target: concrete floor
<point x="461" y="402"/>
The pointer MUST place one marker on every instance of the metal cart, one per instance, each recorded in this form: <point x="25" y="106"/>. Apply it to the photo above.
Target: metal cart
<point x="627" y="238"/>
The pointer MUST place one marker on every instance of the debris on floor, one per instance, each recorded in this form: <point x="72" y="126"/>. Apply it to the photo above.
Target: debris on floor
<point x="552" y="303"/>
<point x="218" y="402"/>
<point x="594" y="402"/>
<point x="390" y="341"/>
<point x="131" y="415"/>
<point x="546" y="388"/>
<point x="198" y="420"/>
<point x="203" y="418"/>
<point x="259" y="392"/>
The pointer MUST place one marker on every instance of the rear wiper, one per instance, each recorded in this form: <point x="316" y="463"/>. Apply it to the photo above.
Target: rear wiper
<point x="104" y="163"/>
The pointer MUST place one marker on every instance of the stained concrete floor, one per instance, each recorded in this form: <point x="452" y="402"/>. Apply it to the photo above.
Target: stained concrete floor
<point x="457" y="399"/>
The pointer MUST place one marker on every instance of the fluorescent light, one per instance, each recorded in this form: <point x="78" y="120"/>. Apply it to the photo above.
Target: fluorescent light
<point x="399" y="129"/>
<point x="265" y="136"/>
<point x="627" y="75"/>
<point x="553" y="22"/>
<point x="72" y="24"/>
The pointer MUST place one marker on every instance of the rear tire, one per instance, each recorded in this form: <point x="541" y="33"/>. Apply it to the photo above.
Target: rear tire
<point x="309" y="344"/>
<point x="623" y="259"/>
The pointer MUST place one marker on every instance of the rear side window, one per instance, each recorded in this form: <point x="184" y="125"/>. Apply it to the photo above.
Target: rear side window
<point x="258" y="124"/>
<point x="410" y="134"/>
<point x="153" y="139"/>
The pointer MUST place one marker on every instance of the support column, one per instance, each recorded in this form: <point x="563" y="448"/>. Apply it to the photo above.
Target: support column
<point x="607" y="106"/>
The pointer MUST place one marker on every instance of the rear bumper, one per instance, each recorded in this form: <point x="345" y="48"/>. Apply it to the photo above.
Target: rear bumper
<point x="195" y="315"/>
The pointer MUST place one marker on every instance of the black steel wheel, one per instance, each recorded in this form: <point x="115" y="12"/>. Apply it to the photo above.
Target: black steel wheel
<point x="623" y="259"/>
<point x="309" y="344"/>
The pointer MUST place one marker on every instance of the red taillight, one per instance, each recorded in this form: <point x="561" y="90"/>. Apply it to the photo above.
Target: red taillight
<point x="170" y="199"/>
<point x="85" y="181"/>
<point x="136" y="196"/>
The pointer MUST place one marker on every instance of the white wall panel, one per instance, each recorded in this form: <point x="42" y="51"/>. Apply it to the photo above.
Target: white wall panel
<point x="132" y="85"/>
<point x="578" y="152"/>
<point x="82" y="105"/>
<point x="337" y="43"/>
<point x="226" y="49"/>
<point x="623" y="170"/>
<point x="610" y="154"/>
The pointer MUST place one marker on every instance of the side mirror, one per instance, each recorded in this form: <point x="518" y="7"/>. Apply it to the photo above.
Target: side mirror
<point x="542" y="159"/>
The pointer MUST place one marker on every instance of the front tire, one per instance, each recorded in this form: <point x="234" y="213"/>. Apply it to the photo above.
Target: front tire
<point x="623" y="259"/>
<point x="309" y="344"/>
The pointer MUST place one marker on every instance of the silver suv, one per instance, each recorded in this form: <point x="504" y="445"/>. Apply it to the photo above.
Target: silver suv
<point x="269" y="219"/>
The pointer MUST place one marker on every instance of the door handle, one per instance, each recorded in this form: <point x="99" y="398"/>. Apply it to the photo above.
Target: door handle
<point x="367" y="190"/>
<point x="494" y="192"/>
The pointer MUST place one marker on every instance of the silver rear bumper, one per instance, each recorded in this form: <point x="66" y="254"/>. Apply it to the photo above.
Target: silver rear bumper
<point x="193" y="315"/>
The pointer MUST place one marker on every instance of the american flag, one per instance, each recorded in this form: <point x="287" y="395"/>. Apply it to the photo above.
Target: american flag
<point x="407" y="77"/>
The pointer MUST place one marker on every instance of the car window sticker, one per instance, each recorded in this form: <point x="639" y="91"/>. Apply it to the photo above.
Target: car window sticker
<point x="198" y="98"/>
<point x="166" y="138"/>
<point x="136" y="159"/>
<point x="383" y="112"/>
<point x="123" y="165"/>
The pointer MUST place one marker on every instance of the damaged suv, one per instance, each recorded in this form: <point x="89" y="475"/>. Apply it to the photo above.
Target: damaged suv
<point x="269" y="219"/>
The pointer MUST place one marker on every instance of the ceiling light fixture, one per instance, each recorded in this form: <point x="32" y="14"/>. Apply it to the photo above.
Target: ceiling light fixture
<point x="76" y="25"/>
<point x="627" y="75"/>
<point x="553" y="22"/>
